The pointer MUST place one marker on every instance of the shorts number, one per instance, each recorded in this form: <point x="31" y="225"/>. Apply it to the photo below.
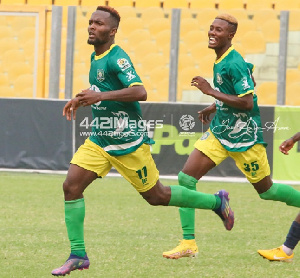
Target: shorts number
<point x="253" y="166"/>
<point x="142" y="173"/>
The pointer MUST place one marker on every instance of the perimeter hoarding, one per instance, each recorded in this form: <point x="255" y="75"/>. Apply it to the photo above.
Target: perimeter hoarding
<point x="175" y="128"/>
<point x="286" y="167"/>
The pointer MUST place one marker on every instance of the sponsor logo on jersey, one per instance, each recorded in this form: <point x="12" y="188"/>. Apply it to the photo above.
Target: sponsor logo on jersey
<point x="130" y="75"/>
<point x="123" y="64"/>
<point x="245" y="83"/>
<point x="219" y="79"/>
<point x="100" y="75"/>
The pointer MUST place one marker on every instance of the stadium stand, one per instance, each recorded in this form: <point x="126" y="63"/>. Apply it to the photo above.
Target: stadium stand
<point x="13" y="2"/>
<point x="286" y="5"/>
<point x="39" y="2"/>
<point x="258" y="4"/>
<point x="230" y="4"/>
<point x="66" y="2"/>
<point x="169" y="4"/>
<point x="156" y="26"/>
<point x="271" y="30"/>
<point x="292" y="94"/>
<point x="253" y="42"/>
<point x="148" y="3"/>
<point x="202" y="4"/>
<point x="267" y="93"/>
<point x="257" y="19"/>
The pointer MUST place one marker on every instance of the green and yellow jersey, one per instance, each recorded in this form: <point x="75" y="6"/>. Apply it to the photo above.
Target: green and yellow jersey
<point x="117" y="126"/>
<point x="236" y="129"/>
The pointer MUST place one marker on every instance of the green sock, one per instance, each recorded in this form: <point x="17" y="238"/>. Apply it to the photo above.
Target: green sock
<point x="283" y="193"/>
<point x="183" y="197"/>
<point x="187" y="215"/>
<point x="74" y="218"/>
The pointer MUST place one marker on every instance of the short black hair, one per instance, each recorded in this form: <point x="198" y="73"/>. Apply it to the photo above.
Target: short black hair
<point x="114" y="13"/>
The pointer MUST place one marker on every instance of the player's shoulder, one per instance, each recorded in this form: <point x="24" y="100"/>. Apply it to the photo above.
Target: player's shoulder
<point x="235" y="59"/>
<point x="118" y="51"/>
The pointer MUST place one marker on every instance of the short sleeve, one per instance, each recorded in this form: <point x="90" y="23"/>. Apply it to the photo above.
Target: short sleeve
<point x="241" y="77"/>
<point x="124" y="69"/>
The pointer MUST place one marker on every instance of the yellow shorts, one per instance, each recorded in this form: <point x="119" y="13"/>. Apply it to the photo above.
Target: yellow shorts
<point x="137" y="167"/>
<point x="253" y="163"/>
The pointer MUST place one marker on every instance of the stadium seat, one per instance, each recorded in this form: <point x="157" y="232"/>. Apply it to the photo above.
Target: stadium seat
<point x="193" y="37"/>
<point x="206" y="65"/>
<point x="238" y="13"/>
<point x="7" y="91"/>
<point x="185" y="60"/>
<point x="147" y="3"/>
<point x="152" y="61"/>
<point x="13" y="56"/>
<point x="151" y="13"/>
<point x="292" y="94"/>
<point x="294" y="20"/>
<point x="185" y="77"/>
<point x="130" y="24"/>
<point x="171" y="4"/>
<point x="137" y="36"/>
<point x="253" y="42"/>
<point x="188" y="24"/>
<point x="202" y="4"/>
<point x="15" y="70"/>
<point x="23" y="85"/>
<point x="156" y="26"/>
<point x="94" y="3"/>
<point x="159" y="73"/>
<point x="144" y="48"/>
<point x="267" y="93"/>
<point x="163" y="37"/>
<point x="186" y="13"/>
<point x="5" y="31"/>
<point x="286" y="5"/>
<point x="230" y="4"/>
<point x="13" y="2"/>
<point x="120" y="3"/>
<point x="126" y="12"/>
<point x="256" y="5"/>
<point x="261" y="16"/>
<point x="244" y="27"/>
<point x="26" y="33"/>
<point x="205" y="17"/>
<point x="66" y="2"/>
<point x="4" y="81"/>
<point x="200" y="50"/>
<point x="271" y="30"/>
<point x="39" y="2"/>
<point x="292" y="75"/>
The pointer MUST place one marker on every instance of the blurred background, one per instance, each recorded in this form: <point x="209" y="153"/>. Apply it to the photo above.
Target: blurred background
<point x="43" y="45"/>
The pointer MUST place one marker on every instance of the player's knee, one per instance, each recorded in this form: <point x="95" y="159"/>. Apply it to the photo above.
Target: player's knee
<point x="158" y="196"/>
<point x="268" y="195"/>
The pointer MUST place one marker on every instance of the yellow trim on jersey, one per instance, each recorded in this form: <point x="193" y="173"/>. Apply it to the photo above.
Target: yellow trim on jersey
<point x="247" y="93"/>
<point x="136" y="84"/>
<point x="225" y="54"/>
<point x="104" y="53"/>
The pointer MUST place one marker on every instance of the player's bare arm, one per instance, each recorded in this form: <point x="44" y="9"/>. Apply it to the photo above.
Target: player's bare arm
<point x="245" y="102"/>
<point x="71" y="108"/>
<point x="204" y="115"/>
<point x="134" y="93"/>
<point x="289" y="143"/>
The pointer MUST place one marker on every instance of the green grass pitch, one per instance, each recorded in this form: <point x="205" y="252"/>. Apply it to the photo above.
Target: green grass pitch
<point x="125" y="237"/>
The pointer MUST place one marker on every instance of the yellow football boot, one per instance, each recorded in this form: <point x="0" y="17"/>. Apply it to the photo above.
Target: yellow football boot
<point x="186" y="248"/>
<point x="276" y="254"/>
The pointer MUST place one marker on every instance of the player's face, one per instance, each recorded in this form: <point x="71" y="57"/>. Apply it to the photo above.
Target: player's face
<point x="100" y="28"/>
<point x="219" y="34"/>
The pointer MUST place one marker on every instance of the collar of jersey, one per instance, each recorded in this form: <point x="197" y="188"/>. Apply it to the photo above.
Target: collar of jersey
<point x="225" y="54"/>
<point x="105" y="53"/>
